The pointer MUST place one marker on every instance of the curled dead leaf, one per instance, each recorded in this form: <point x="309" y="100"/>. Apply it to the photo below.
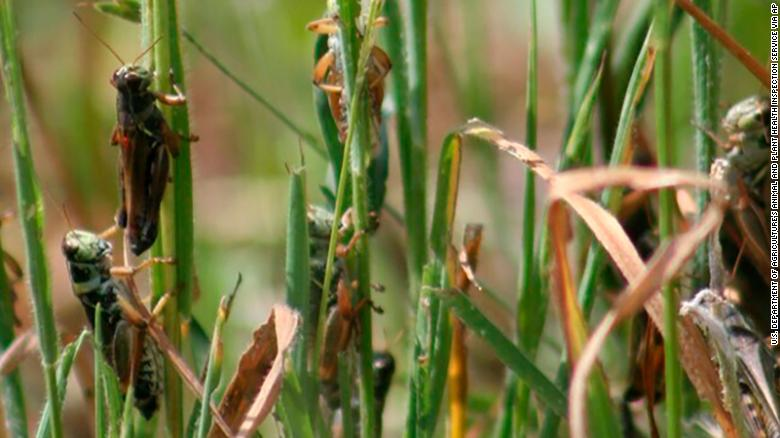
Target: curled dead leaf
<point x="255" y="386"/>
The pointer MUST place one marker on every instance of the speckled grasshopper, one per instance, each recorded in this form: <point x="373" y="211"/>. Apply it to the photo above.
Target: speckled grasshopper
<point x="743" y="169"/>
<point x="137" y="342"/>
<point x="748" y="370"/>
<point x="135" y="358"/>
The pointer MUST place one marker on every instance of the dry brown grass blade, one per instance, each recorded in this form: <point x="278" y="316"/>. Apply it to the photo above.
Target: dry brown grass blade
<point x="534" y="161"/>
<point x="663" y="266"/>
<point x="457" y="373"/>
<point x="723" y="37"/>
<point x="22" y="347"/>
<point x="694" y="352"/>
<point x="574" y="326"/>
<point x="255" y="386"/>
<point x="637" y="178"/>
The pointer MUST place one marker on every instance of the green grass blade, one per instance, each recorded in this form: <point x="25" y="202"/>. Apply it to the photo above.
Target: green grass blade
<point x="176" y="222"/>
<point x="30" y="208"/>
<point x="97" y="352"/>
<point x="665" y="150"/>
<point x="598" y="38"/>
<point x="353" y="52"/>
<point x="214" y="369"/>
<point x="507" y="352"/>
<point x="113" y="399"/>
<point x="411" y="155"/>
<point x="432" y="325"/>
<point x="308" y="138"/>
<point x="291" y="407"/>
<point x="526" y="268"/>
<point x="447" y="183"/>
<point x="11" y="383"/>
<point x="128" y="429"/>
<point x="345" y="395"/>
<point x="439" y="342"/>
<point x="355" y="60"/>
<point x="297" y="269"/>
<point x="64" y="364"/>
<point x="706" y="80"/>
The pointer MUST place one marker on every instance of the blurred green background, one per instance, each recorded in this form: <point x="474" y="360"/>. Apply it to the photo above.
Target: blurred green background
<point x="477" y="63"/>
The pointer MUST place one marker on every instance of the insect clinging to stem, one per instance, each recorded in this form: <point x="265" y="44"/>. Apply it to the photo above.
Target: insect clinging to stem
<point x="89" y="260"/>
<point x="328" y="74"/>
<point x="137" y="342"/>
<point x="145" y="140"/>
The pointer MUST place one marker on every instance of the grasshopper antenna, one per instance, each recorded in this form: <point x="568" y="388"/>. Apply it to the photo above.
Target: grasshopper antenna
<point x="711" y="135"/>
<point x="97" y="37"/>
<point x="146" y="50"/>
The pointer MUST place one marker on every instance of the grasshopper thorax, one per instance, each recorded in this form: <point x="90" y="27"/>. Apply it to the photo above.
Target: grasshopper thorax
<point x="132" y="78"/>
<point x="89" y="259"/>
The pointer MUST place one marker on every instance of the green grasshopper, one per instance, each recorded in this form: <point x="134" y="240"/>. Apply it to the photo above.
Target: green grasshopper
<point x="89" y="263"/>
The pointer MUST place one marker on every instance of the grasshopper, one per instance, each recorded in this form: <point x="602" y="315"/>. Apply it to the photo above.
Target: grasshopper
<point x="747" y="368"/>
<point x="136" y="357"/>
<point x="743" y="169"/>
<point x="145" y="140"/>
<point x="328" y="74"/>
<point x="89" y="263"/>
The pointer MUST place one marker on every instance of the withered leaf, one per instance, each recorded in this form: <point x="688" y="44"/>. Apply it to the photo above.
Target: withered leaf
<point x="255" y="386"/>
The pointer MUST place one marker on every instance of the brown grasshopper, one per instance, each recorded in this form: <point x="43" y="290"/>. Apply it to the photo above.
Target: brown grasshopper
<point x="145" y="140"/>
<point x="329" y="76"/>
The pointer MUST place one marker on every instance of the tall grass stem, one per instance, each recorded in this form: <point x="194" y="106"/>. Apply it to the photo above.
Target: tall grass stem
<point x="30" y="209"/>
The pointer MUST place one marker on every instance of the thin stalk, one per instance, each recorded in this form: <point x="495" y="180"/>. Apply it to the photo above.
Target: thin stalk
<point x="64" y="365"/>
<point x="214" y="369"/>
<point x="526" y="269"/>
<point x="411" y="158"/>
<point x="127" y="413"/>
<point x="30" y="208"/>
<point x="176" y="226"/>
<point x="665" y="148"/>
<point x="358" y="160"/>
<point x="416" y="38"/>
<point x="308" y="138"/>
<point x="706" y="82"/>
<point x="355" y="93"/>
<point x="345" y="395"/>
<point x="11" y="383"/>
<point x="97" y="352"/>
<point x="750" y="62"/>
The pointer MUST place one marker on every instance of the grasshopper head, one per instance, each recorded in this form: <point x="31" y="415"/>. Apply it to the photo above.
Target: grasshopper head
<point x="747" y="116"/>
<point x="132" y="78"/>
<point x="88" y="257"/>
